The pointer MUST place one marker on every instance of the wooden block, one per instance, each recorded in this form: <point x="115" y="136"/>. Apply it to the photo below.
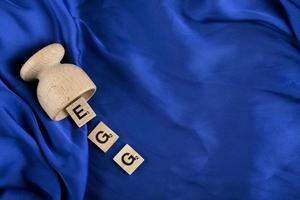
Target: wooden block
<point x="128" y="159"/>
<point x="80" y="111"/>
<point x="103" y="137"/>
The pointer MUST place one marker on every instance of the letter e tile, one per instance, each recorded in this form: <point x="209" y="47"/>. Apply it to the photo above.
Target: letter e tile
<point x="80" y="111"/>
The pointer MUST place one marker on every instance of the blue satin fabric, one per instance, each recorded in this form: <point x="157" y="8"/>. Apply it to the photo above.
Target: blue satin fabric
<point x="208" y="92"/>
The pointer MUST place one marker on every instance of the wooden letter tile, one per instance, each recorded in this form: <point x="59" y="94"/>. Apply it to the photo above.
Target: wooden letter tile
<point x="80" y="111"/>
<point x="103" y="137"/>
<point x="128" y="159"/>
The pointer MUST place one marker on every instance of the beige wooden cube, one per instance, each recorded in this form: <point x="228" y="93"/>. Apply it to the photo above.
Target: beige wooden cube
<point x="103" y="137"/>
<point x="80" y="111"/>
<point x="128" y="159"/>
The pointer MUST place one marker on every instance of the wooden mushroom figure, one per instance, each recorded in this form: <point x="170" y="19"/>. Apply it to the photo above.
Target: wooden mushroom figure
<point x="59" y="84"/>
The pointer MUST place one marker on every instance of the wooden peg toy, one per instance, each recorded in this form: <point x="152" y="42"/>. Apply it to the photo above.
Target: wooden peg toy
<point x="59" y="84"/>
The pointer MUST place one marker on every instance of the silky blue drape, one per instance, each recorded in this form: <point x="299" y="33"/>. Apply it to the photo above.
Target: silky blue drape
<point x="208" y="92"/>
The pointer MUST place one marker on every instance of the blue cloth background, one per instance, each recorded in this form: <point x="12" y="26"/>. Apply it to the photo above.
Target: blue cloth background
<point x="208" y="92"/>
